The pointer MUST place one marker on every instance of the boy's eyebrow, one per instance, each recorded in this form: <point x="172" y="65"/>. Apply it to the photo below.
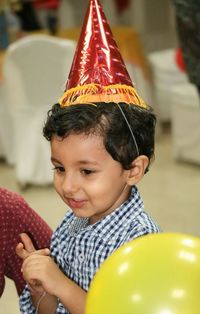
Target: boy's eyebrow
<point x="55" y="160"/>
<point x="82" y="162"/>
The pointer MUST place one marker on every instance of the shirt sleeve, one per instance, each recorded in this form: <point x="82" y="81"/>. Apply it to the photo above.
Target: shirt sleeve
<point x="142" y="226"/>
<point x="25" y="302"/>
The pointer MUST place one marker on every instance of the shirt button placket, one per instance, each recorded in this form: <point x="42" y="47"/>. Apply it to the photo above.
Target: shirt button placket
<point x="81" y="257"/>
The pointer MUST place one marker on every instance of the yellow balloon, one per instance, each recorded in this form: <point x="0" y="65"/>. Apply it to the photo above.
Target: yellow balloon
<point x="154" y="274"/>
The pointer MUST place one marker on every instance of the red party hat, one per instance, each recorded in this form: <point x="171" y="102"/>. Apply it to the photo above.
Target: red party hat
<point x="98" y="72"/>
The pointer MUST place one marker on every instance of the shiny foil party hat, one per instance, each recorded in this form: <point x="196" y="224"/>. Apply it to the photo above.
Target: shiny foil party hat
<point x="98" y="72"/>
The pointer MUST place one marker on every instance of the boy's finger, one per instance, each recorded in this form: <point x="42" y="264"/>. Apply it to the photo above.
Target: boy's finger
<point x="21" y="252"/>
<point x="28" y="244"/>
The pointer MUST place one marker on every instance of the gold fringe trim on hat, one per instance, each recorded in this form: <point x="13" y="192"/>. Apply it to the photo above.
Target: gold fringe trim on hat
<point x="90" y="93"/>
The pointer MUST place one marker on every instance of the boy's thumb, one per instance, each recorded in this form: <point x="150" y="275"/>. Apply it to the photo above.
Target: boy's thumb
<point x="21" y="252"/>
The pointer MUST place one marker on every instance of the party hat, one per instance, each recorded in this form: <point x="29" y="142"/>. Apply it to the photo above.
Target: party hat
<point x="98" y="72"/>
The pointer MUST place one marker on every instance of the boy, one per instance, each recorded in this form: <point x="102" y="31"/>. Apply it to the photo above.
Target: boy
<point x="102" y="142"/>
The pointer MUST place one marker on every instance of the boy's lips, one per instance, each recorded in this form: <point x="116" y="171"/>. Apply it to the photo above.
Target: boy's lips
<point x="75" y="203"/>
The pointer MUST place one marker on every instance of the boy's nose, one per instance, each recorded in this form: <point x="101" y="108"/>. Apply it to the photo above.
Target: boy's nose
<point x="69" y="185"/>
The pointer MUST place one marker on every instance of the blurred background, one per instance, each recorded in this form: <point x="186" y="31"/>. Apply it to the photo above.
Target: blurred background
<point x="37" y="43"/>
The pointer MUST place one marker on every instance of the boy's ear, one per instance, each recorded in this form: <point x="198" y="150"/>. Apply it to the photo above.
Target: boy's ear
<point x="139" y="165"/>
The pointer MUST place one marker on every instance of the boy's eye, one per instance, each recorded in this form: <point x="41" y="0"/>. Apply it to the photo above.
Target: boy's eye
<point x="59" y="169"/>
<point x="87" y="171"/>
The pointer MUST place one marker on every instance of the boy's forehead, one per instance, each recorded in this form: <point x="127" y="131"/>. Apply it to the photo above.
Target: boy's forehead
<point x="79" y="148"/>
<point x="78" y="141"/>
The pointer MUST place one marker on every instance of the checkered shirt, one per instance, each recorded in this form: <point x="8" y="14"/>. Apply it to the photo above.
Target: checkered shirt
<point x="79" y="248"/>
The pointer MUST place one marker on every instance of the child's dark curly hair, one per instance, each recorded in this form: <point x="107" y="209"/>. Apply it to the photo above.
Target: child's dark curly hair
<point x="106" y="120"/>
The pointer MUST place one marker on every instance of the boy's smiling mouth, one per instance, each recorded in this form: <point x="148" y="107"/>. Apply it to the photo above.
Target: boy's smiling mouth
<point x="73" y="203"/>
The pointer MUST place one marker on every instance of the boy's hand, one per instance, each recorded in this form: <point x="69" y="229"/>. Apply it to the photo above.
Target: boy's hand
<point x="26" y="248"/>
<point x="42" y="273"/>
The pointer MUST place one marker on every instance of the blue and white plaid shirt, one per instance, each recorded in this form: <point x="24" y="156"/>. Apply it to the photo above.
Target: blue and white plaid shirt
<point x="79" y="248"/>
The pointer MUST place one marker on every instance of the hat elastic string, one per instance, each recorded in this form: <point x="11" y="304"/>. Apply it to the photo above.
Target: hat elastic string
<point x="130" y="129"/>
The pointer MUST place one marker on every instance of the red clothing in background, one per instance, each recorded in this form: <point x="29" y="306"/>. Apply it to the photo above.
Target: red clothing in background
<point x="46" y="4"/>
<point x="16" y="217"/>
<point x="122" y="5"/>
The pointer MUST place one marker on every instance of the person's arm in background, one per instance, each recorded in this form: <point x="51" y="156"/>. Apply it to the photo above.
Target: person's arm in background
<point x="16" y="217"/>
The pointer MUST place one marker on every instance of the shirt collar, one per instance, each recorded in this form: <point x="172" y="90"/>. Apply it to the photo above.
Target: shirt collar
<point x="122" y="215"/>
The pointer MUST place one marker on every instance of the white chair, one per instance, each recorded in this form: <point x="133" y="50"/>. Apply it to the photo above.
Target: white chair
<point x="35" y="71"/>
<point x="6" y="132"/>
<point x="185" y="114"/>
<point x="165" y="75"/>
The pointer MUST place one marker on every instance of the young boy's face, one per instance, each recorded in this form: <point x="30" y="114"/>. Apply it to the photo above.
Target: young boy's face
<point x="86" y="177"/>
